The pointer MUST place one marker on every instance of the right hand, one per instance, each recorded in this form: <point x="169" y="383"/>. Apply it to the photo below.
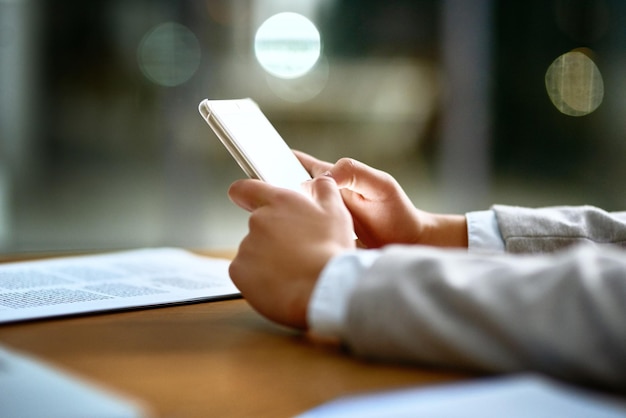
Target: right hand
<point x="382" y="212"/>
<point x="291" y="238"/>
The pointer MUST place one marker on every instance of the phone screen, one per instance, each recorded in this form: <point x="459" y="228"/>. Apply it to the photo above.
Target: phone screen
<point x="254" y="142"/>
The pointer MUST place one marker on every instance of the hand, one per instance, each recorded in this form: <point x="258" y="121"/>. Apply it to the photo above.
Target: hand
<point x="382" y="212"/>
<point x="291" y="238"/>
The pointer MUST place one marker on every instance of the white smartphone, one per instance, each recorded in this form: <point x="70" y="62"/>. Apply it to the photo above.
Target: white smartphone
<point x="253" y="142"/>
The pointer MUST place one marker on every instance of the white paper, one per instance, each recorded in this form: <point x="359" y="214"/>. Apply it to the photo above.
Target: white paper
<point x="32" y="389"/>
<point x="122" y="280"/>
<point x="516" y="396"/>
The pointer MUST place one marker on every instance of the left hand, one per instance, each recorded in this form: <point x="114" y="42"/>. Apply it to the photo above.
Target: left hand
<point x="382" y="212"/>
<point x="291" y="238"/>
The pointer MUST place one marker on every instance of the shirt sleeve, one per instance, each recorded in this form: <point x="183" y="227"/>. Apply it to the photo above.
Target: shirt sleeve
<point x="553" y="228"/>
<point x="560" y="313"/>
<point x="327" y="308"/>
<point x="483" y="232"/>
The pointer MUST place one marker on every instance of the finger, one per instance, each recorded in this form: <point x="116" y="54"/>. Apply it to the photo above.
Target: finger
<point x="314" y="166"/>
<point x="361" y="178"/>
<point x="250" y="194"/>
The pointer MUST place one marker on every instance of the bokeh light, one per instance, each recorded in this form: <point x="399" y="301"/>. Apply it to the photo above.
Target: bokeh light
<point x="287" y="45"/>
<point x="169" y="54"/>
<point x="574" y="84"/>
<point x="301" y="89"/>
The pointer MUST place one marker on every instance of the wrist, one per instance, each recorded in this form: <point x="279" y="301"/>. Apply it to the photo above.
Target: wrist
<point x="446" y="231"/>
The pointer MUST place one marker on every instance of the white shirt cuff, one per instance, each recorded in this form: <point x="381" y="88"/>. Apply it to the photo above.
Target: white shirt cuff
<point x="329" y="302"/>
<point x="483" y="232"/>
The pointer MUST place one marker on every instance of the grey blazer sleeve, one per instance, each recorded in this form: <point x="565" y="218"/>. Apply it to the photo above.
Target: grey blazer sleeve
<point x="563" y="314"/>
<point x="548" y="229"/>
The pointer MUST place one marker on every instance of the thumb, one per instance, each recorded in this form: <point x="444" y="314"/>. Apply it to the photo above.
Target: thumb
<point x="325" y="192"/>
<point x="361" y="178"/>
<point x="249" y="194"/>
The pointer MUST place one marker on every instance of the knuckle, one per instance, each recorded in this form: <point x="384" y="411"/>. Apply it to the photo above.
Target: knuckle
<point x="281" y="197"/>
<point x="234" y="270"/>
<point x="254" y="221"/>
<point x="346" y="163"/>
<point x="346" y="171"/>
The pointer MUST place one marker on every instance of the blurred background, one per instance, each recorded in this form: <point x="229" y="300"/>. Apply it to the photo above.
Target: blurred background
<point x="466" y="103"/>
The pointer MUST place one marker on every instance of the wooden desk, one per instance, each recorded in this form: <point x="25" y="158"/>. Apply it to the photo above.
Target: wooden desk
<point x="215" y="359"/>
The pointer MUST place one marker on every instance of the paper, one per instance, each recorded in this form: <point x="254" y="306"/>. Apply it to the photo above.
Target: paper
<point x="31" y="389"/>
<point x="523" y="396"/>
<point x="123" y="280"/>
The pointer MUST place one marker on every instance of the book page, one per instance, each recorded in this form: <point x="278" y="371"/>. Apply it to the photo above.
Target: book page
<point x="122" y="280"/>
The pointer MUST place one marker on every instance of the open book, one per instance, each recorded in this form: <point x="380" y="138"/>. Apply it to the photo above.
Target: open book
<point x="121" y="280"/>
